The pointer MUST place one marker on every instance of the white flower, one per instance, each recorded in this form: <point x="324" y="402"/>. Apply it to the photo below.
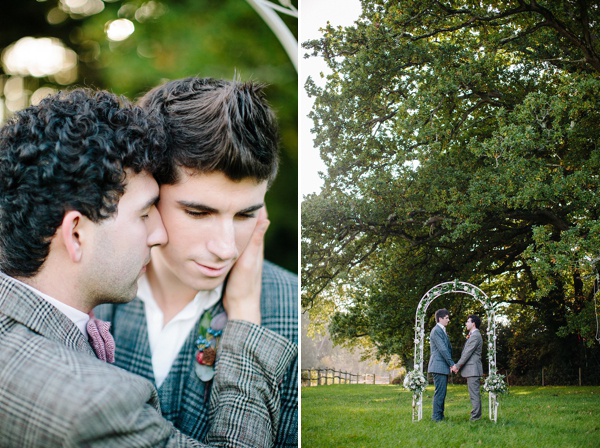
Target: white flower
<point x="415" y="381"/>
<point x="494" y="383"/>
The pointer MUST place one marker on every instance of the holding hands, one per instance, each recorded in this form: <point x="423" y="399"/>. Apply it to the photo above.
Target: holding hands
<point x="454" y="369"/>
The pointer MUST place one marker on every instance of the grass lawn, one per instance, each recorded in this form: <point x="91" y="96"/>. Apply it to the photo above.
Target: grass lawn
<point x="357" y="415"/>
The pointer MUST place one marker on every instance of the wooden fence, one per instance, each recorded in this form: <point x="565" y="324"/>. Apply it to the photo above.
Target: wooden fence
<point x="325" y="377"/>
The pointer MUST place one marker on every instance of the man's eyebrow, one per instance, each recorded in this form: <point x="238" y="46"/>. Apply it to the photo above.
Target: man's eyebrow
<point x="197" y="206"/>
<point x="205" y="208"/>
<point x="252" y="209"/>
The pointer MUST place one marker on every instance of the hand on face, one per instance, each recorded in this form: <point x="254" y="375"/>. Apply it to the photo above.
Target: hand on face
<point x="242" y="292"/>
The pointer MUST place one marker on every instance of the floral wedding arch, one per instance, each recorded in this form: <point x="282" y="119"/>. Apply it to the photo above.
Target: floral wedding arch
<point x="416" y="381"/>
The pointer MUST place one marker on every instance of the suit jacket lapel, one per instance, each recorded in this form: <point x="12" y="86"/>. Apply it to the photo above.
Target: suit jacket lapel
<point x="185" y="396"/>
<point x="24" y="306"/>
<point x="175" y="384"/>
<point x="446" y="338"/>
<point x="131" y="333"/>
<point x="447" y="341"/>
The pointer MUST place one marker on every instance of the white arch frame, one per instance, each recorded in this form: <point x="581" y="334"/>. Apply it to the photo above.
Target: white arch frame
<point x="266" y="10"/>
<point x="448" y="288"/>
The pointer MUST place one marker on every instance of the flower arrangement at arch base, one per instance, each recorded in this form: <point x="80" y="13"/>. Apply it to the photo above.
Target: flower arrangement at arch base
<point x="495" y="384"/>
<point x="416" y="382"/>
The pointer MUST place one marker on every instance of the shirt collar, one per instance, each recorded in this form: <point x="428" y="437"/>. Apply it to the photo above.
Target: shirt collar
<point x="443" y="328"/>
<point x="78" y="317"/>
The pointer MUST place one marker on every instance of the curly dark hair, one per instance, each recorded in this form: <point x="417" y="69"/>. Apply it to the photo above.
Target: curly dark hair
<point x="216" y="125"/>
<point x="69" y="152"/>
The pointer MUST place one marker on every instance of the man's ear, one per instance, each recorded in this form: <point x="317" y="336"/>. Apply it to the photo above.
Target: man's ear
<point x="70" y="232"/>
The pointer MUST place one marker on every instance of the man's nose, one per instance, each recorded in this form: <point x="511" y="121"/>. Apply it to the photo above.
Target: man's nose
<point x="157" y="234"/>
<point x="222" y="241"/>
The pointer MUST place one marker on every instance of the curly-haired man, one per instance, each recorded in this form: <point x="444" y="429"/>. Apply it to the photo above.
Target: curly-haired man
<point x="77" y="221"/>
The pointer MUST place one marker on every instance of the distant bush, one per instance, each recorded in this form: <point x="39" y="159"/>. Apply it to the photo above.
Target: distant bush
<point x="398" y="380"/>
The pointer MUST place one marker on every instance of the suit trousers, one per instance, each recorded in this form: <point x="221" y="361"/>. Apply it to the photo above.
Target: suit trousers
<point x="440" y="382"/>
<point x="474" y="392"/>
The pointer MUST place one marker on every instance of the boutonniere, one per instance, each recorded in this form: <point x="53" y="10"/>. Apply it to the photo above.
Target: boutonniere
<point x="468" y="335"/>
<point x="207" y="343"/>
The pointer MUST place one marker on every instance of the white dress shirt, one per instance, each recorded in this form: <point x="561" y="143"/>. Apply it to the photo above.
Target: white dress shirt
<point x="79" y="318"/>
<point x="166" y="340"/>
<point x="443" y="328"/>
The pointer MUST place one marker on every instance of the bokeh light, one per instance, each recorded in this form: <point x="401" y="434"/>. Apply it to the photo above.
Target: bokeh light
<point x="56" y="16"/>
<point x="41" y="93"/>
<point x="38" y="57"/>
<point x="120" y="29"/>
<point x="15" y="94"/>
<point x="150" y="10"/>
<point x="82" y="7"/>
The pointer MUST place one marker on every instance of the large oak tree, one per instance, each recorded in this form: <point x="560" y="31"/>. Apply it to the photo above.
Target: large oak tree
<point x="461" y="141"/>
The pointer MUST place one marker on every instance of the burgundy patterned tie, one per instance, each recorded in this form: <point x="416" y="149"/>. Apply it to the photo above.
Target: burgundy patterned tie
<point x="100" y="338"/>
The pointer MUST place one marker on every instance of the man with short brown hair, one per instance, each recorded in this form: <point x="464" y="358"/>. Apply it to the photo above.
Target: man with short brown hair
<point x="221" y="158"/>
<point x="440" y="362"/>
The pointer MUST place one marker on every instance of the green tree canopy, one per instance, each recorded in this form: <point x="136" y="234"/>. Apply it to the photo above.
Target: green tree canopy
<point x="460" y="139"/>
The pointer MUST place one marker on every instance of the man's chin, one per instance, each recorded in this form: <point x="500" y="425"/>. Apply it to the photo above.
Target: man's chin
<point x="125" y="297"/>
<point x="207" y="283"/>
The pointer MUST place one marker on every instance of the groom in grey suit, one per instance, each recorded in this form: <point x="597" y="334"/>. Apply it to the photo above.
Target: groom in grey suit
<point x="440" y="362"/>
<point x="470" y="366"/>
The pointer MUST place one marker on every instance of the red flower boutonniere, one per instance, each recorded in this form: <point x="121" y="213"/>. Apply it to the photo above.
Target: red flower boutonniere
<point x="209" y="335"/>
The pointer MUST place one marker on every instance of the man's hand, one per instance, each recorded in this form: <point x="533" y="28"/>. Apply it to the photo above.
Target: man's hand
<point x="454" y="369"/>
<point x="242" y="292"/>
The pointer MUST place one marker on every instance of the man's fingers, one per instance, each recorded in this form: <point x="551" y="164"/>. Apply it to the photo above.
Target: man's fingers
<point x="253" y="253"/>
<point x="258" y="236"/>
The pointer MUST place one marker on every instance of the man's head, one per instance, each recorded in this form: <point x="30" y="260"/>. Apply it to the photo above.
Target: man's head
<point x="473" y="322"/>
<point x="215" y="126"/>
<point x="71" y="168"/>
<point x="442" y="316"/>
<point x="221" y="157"/>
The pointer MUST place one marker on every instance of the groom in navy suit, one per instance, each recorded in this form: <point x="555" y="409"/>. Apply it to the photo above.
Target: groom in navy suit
<point x="440" y="362"/>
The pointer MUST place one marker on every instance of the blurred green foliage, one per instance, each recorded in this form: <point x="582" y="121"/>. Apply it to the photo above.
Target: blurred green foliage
<point x="175" y="39"/>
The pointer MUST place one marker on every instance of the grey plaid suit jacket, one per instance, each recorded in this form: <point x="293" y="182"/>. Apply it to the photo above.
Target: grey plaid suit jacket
<point x="441" y="352"/>
<point x="469" y="363"/>
<point x="183" y="397"/>
<point x="54" y="392"/>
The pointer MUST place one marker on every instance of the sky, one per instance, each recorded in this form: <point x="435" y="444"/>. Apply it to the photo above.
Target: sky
<point x="314" y="14"/>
